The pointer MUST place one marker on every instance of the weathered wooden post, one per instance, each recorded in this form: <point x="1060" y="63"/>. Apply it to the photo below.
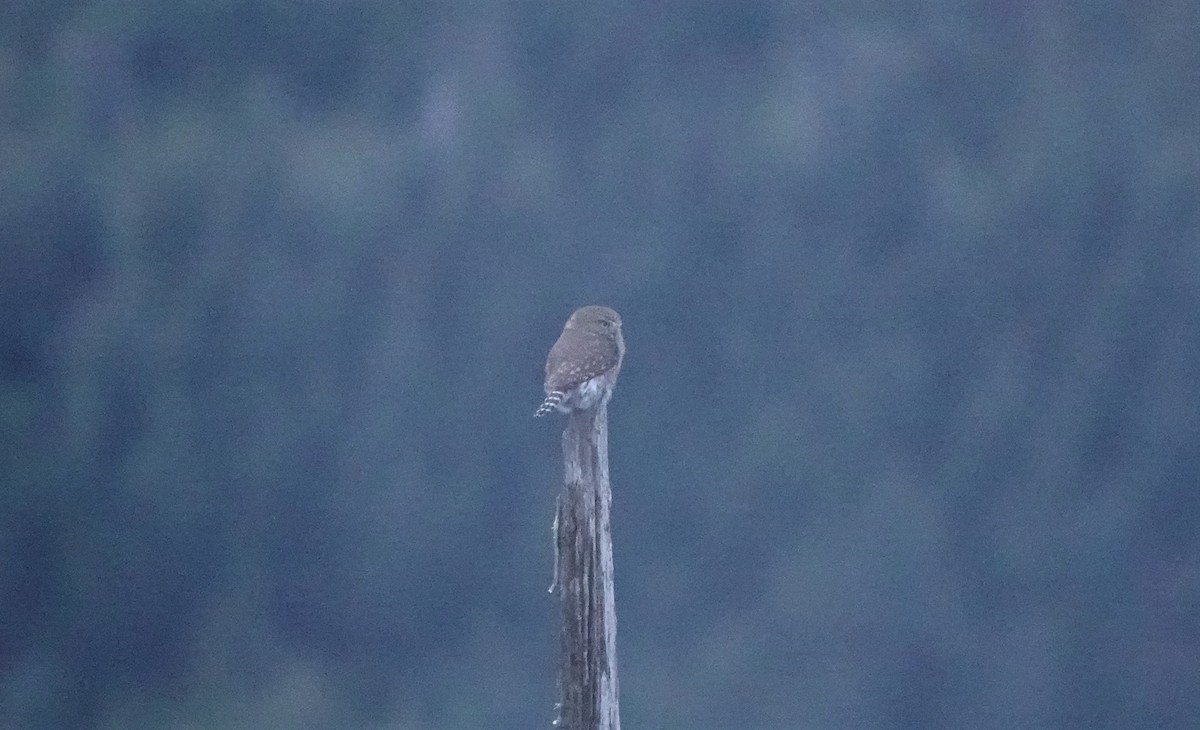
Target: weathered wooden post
<point x="587" y="676"/>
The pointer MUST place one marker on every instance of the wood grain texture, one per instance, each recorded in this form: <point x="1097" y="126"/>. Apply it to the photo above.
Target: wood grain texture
<point x="584" y="577"/>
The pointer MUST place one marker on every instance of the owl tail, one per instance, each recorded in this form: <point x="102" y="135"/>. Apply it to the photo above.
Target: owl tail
<point x="552" y="400"/>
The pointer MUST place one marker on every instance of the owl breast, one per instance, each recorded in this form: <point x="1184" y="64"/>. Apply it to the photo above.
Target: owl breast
<point x="587" y="394"/>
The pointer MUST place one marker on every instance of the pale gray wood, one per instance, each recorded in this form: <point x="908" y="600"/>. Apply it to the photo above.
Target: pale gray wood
<point x="584" y="577"/>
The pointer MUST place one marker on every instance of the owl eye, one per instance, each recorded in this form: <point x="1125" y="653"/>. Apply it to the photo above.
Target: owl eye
<point x="606" y="323"/>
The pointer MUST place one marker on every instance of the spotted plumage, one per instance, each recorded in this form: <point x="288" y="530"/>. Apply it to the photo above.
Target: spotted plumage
<point x="583" y="365"/>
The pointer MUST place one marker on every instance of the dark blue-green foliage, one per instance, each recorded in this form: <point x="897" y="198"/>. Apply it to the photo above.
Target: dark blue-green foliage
<point x="907" y="434"/>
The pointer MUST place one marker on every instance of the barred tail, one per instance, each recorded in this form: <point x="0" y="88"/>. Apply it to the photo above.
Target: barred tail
<point x="552" y="400"/>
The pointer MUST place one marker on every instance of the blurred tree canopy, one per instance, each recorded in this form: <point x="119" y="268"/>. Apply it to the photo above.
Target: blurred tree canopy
<point x="907" y="434"/>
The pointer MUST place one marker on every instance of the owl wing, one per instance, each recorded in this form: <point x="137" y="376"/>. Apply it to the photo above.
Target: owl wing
<point x="578" y="358"/>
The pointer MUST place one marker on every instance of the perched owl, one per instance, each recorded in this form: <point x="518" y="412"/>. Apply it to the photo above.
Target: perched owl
<point x="582" y="367"/>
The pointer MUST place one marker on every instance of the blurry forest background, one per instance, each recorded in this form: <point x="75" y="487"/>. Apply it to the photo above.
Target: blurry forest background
<point x="907" y="435"/>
